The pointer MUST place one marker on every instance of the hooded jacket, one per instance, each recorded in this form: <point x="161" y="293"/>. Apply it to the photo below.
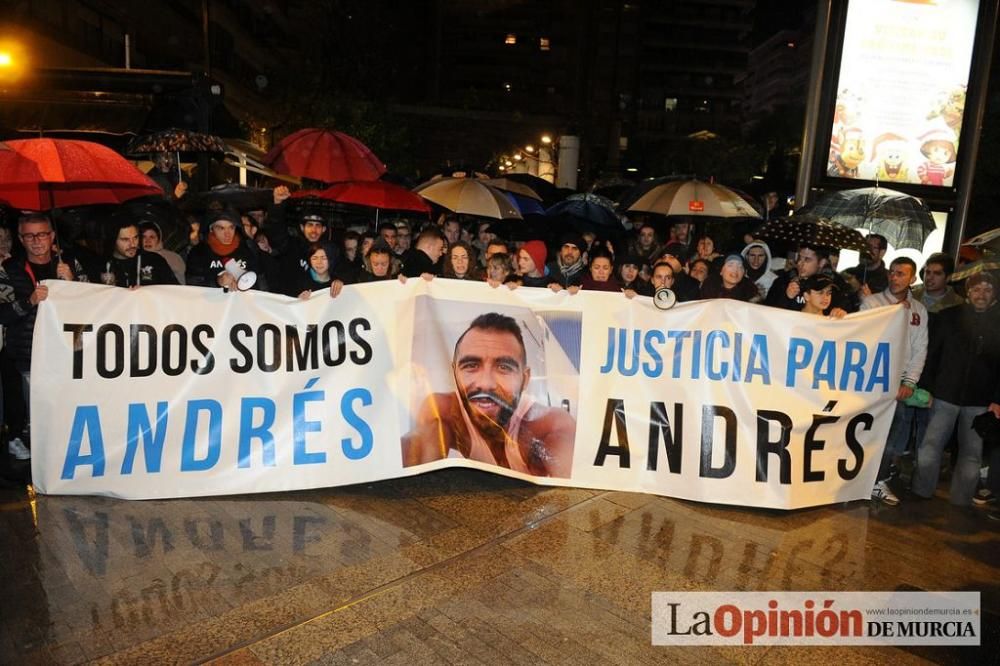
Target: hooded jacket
<point x="763" y="277"/>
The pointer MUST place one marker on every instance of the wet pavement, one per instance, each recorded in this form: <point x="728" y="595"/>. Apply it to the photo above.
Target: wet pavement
<point x="449" y="567"/>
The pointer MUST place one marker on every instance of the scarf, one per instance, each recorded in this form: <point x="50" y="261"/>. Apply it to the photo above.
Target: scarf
<point x="223" y="250"/>
<point x="572" y="269"/>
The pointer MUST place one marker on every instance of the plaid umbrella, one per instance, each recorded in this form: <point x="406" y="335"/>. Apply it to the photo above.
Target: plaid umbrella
<point x="813" y="230"/>
<point x="905" y="221"/>
<point x="176" y="141"/>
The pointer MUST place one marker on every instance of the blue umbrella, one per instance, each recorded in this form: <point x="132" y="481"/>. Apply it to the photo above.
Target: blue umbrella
<point x="592" y="210"/>
<point x="526" y="205"/>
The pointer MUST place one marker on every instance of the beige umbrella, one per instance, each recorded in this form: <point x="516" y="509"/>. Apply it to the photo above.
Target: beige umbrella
<point x="694" y="198"/>
<point x="514" y="187"/>
<point x="468" y="196"/>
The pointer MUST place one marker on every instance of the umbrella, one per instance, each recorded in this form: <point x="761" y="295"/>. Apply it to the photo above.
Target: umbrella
<point x="694" y="198"/>
<point x="468" y="196"/>
<point x="550" y="193"/>
<point x="376" y="194"/>
<point x="58" y="173"/>
<point x="813" y="230"/>
<point x="905" y="221"/>
<point x="989" y="240"/>
<point x="980" y="266"/>
<point x="229" y="195"/>
<point x="176" y="141"/>
<point x="513" y="187"/>
<point x="525" y="205"/>
<point x="592" y="210"/>
<point x="324" y="155"/>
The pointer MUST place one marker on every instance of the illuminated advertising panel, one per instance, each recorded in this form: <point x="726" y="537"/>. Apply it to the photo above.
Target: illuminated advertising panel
<point x="904" y="72"/>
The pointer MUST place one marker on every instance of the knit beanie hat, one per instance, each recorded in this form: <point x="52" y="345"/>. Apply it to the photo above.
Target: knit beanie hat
<point x="536" y="250"/>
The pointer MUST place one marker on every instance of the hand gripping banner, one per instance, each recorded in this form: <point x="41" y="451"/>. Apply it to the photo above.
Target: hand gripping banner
<point x="182" y="392"/>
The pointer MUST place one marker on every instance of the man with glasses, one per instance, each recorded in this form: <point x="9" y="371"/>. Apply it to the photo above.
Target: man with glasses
<point x="21" y="291"/>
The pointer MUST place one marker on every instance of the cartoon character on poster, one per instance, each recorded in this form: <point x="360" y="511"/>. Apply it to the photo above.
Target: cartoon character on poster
<point x="889" y="154"/>
<point x="938" y="146"/>
<point x="951" y="109"/>
<point x="850" y="154"/>
<point x="846" y="113"/>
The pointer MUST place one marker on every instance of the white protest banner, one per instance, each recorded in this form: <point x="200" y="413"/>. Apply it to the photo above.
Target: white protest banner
<point x="181" y="392"/>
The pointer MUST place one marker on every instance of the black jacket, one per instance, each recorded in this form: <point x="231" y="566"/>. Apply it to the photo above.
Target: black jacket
<point x="843" y="297"/>
<point x="204" y="265"/>
<point x="963" y="356"/>
<point x="153" y="267"/>
<point x="16" y="311"/>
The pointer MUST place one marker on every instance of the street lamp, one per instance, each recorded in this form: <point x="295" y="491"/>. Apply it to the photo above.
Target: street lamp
<point x="546" y="139"/>
<point x="13" y="61"/>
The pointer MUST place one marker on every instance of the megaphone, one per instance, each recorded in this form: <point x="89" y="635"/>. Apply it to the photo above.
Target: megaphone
<point x="244" y="279"/>
<point x="664" y="298"/>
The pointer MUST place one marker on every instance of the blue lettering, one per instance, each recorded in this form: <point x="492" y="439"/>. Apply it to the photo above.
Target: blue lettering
<point x="855" y="355"/>
<point x="653" y="367"/>
<point x="152" y="442"/>
<point x="86" y="420"/>
<point x="356" y="422"/>
<point x="723" y="338"/>
<point x="301" y="426"/>
<point x="794" y="363"/>
<point x="759" y="362"/>
<point x="628" y="371"/>
<point x="826" y="365"/>
<point x="189" y="463"/>
<point x="609" y="362"/>
<point x="880" y="369"/>
<point x="262" y="431"/>
<point x="678" y="338"/>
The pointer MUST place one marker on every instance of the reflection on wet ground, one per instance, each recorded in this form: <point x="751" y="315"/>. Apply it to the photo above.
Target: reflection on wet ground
<point x="451" y="567"/>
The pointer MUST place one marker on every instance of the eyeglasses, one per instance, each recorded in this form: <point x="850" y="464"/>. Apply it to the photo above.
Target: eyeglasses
<point x="31" y="238"/>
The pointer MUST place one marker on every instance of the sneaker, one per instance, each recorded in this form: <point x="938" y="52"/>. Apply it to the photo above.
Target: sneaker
<point x="17" y="449"/>
<point x="984" y="497"/>
<point x="882" y="492"/>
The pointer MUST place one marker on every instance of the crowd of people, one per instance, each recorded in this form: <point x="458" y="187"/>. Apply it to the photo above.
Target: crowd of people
<point x="951" y="374"/>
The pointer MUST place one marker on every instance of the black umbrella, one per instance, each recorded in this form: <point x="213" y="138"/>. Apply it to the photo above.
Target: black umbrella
<point x="176" y="141"/>
<point x="813" y="230"/>
<point x="240" y="197"/>
<point x="905" y="221"/>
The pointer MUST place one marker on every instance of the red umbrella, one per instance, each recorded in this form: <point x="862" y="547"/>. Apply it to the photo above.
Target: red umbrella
<point x="324" y="155"/>
<point x="40" y="174"/>
<point x="376" y="194"/>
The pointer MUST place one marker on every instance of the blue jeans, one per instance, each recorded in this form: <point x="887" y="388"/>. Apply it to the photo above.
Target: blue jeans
<point x="965" y="477"/>
<point x="904" y="421"/>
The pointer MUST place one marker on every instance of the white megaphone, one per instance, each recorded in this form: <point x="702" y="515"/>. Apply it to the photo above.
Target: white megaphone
<point x="664" y="298"/>
<point x="244" y="279"/>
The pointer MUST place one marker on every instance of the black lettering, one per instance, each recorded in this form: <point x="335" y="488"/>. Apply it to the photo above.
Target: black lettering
<point x="615" y="411"/>
<point x="354" y="327"/>
<point x="779" y="447"/>
<point x="659" y="426"/>
<point x="863" y="419"/>
<point x="202" y="331"/>
<point x="708" y="415"/>
<point x="78" y="330"/>
<point x="235" y="333"/>
<point x="328" y="359"/>
<point x="813" y="445"/>
<point x="263" y="333"/>
<point x="118" y="352"/>
<point x="300" y="358"/>
<point x="136" y="333"/>
<point x="174" y="335"/>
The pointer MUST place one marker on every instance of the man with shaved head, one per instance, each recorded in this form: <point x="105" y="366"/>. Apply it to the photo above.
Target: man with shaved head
<point x="490" y="417"/>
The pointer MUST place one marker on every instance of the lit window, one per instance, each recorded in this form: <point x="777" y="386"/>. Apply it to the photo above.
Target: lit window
<point x="511" y="39"/>
<point x="543" y="44"/>
<point x="670" y="104"/>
